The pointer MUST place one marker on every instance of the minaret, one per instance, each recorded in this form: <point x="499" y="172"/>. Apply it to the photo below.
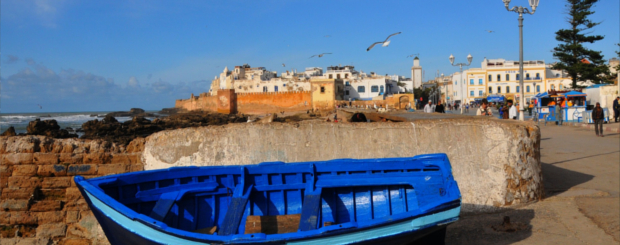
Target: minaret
<point x="416" y="73"/>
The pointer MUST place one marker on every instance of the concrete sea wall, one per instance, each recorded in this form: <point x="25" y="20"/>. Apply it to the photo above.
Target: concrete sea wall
<point x="496" y="163"/>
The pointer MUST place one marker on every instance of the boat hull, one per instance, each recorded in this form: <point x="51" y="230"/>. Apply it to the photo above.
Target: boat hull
<point x="121" y="230"/>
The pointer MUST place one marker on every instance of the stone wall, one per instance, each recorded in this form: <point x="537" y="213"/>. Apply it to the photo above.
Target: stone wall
<point x="396" y="101"/>
<point x="496" y="162"/>
<point x="273" y="102"/>
<point x="40" y="203"/>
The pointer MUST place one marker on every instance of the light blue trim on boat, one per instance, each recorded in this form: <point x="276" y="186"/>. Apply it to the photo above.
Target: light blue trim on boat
<point x="388" y="230"/>
<point x="137" y="227"/>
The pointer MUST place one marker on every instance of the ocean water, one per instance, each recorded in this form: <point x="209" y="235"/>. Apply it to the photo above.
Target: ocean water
<point x="73" y="120"/>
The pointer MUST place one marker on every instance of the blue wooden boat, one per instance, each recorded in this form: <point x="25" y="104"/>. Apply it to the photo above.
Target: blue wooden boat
<point x="344" y="201"/>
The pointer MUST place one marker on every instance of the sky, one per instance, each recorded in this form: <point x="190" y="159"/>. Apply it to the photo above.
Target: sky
<point x="67" y="56"/>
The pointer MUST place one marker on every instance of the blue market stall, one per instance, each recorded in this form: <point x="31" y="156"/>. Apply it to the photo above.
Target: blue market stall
<point x="495" y="98"/>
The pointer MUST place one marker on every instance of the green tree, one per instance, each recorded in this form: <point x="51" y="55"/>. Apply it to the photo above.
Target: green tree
<point x="570" y="52"/>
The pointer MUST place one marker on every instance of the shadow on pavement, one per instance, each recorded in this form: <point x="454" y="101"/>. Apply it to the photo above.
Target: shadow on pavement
<point x="557" y="180"/>
<point x="580" y="158"/>
<point x="490" y="228"/>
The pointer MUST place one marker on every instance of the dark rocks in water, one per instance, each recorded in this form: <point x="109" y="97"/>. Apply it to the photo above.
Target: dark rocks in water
<point x="134" y="112"/>
<point x="172" y="111"/>
<point x="111" y="130"/>
<point x="9" y="132"/>
<point x="48" y="128"/>
<point x="94" y="115"/>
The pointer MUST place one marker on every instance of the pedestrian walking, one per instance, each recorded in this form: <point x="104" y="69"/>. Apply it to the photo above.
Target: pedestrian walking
<point x="617" y="109"/>
<point x="597" y="116"/>
<point x="512" y="112"/>
<point x="484" y="109"/>
<point x="440" y="108"/>
<point x="428" y="108"/>
<point x="503" y="111"/>
<point x="467" y="108"/>
<point x="559" y="113"/>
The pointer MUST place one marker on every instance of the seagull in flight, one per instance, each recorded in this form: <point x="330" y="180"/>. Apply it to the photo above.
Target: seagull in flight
<point x="283" y="65"/>
<point x="413" y="55"/>
<point x="40" y="107"/>
<point x="489" y="31"/>
<point x="319" y="55"/>
<point x="385" y="43"/>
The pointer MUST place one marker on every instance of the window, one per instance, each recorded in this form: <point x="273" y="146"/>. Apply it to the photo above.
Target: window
<point x="284" y="85"/>
<point x="381" y="89"/>
<point x="456" y="82"/>
<point x="490" y="90"/>
<point x="479" y="92"/>
<point x="557" y="75"/>
<point x="507" y="89"/>
<point x="561" y="86"/>
<point x="331" y="76"/>
<point x="338" y="76"/>
<point x="537" y="88"/>
<point x="480" y="81"/>
<point x="507" y="77"/>
<point x="499" y="89"/>
<point x="518" y="76"/>
<point x="490" y="78"/>
<point x="264" y="88"/>
<point x="499" y="78"/>
<point x="517" y="89"/>
<point x="471" y="81"/>
<point x="361" y="89"/>
<point x="471" y="93"/>
<point x="347" y="84"/>
<point x="346" y="92"/>
<point x="275" y="88"/>
<point x="374" y="89"/>
<point x="527" y="76"/>
<point x="346" y="75"/>
<point x="322" y="89"/>
<point x="552" y="87"/>
<point x="527" y="89"/>
<point x="537" y="75"/>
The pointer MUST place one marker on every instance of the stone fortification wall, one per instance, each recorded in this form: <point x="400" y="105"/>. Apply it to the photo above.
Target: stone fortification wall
<point x="40" y="203"/>
<point x="271" y="102"/>
<point x="496" y="163"/>
<point x="203" y="102"/>
<point x="396" y="101"/>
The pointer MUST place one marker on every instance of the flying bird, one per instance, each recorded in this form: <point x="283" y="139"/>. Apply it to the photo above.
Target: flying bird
<point x="40" y="107"/>
<point x="320" y="55"/>
<point x="283" y="65"/>
<point x="489" y="31"/>
<point x="385" y="43"/>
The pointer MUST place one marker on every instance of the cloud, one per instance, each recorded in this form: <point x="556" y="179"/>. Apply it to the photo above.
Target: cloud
<point x="40" y="12"/>
<point x="149" y="76"/>
<point x="133" y="82"/>
<point x="77" y="90"/>
<point x="11" y="59"/>
<point x="30" y="61"/>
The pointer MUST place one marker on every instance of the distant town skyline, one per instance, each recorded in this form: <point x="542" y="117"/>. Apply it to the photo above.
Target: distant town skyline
<point x="105" y="56"/>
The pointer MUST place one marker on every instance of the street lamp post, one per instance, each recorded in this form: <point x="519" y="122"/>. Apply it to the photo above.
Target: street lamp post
<point x="521" y="10"/>
<point x="460" y="65"/>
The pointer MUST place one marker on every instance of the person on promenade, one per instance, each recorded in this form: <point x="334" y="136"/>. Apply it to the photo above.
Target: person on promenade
<point x="512" y="112"/>
<point x="597" y="117"/>
<point x="484" y="109"/>
<point x="503" y="111"/>
<point x="617" y="109"/>
<point x="428" y="108"/>
<point x="467" y="108"/>
<point x="440" y="108"/>
<point x="559" y="112"/>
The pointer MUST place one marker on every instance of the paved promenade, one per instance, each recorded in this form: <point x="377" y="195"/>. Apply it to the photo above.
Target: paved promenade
<point x="582" y="182"/>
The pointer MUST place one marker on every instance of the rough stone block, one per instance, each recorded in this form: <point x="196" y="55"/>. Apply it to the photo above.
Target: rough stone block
<point x="136" y="167"/>
<point x="17" y="158"/>
<point x="49" y="217"/>
<point x="52" y="194"/>
<point x="5" y="218"/>
<point x="82" y="169"/>
<point x="14" y="205"/>
<point x="78" y="205"/>
<point x="87" y="227"/>
<point x="72" y="217"/>
<point x="74" y="241"/>
<point x="22" y="218"/>
<point x="120" y="159"/>
<point x="46" y="205"/>
<point x="18" y="193"/>
<point x="52" y="170"/>
<point x="71" y="158"/>
<point x="73" y="194"/>
<point x="51" y="230"/>
<point x="24" y="170"/>
<point x="107" y="169"/>
<point x="56" y="182"/>
<point x="97" y="158"/>
<point x="45" y="158"/>
<point x="24" y="181"/>
<point x="5" y="171"/>
<point x="136" y="145"/>
<point x="24" y="241"/>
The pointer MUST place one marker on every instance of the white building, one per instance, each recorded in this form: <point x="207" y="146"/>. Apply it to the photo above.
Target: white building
<point x="416" y="73"/>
